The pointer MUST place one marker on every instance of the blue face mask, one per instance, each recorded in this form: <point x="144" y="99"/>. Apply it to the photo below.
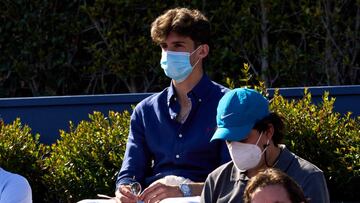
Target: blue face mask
<point x="177" y="65"/>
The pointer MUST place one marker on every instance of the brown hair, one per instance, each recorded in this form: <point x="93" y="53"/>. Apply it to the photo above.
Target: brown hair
<point x="277" y="122"/>
<point x="273" y="176"/>
<point x="182" y="21"/>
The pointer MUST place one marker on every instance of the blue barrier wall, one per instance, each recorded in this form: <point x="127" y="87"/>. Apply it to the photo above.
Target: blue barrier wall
<point x="46" y="115"/>
<point x="347" y="97"/>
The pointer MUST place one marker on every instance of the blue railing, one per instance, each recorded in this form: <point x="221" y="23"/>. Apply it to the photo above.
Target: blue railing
<point x="47" y="115"/>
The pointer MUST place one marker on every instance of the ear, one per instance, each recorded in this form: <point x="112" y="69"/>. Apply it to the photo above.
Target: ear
<point x="270" y="131"/>
<point x="204" y="51"/>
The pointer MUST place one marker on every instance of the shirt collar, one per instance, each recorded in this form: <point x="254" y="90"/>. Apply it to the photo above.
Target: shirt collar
<point x="201" y="89"/>
<point x="237" y="175"/>
<point x="285" y="159"/>
<point x="171" y="93"/>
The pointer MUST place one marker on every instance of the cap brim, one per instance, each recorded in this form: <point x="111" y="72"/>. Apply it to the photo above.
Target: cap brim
<point x="232" y="133"/>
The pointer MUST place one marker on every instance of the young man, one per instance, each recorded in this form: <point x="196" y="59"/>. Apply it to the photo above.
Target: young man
<point x="253" y="136"/>
<point x="169" y="151"/>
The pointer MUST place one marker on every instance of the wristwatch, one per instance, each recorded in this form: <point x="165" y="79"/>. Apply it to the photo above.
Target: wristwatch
<point x="185" y="189"/>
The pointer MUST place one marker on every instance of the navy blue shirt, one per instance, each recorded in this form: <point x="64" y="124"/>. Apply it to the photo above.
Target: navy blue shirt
<point x="158" y="145"/>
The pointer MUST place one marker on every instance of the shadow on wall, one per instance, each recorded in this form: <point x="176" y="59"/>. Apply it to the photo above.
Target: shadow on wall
<point x="46" y="115"/>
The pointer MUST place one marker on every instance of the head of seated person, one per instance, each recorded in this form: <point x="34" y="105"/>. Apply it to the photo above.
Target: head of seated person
<point x="273" y="186"/>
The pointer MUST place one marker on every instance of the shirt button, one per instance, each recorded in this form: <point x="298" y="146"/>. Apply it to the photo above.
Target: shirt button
<point x="177" y="156"/>
<point x="180" y="135"/>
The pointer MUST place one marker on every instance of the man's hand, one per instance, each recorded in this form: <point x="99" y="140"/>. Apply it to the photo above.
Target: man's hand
<point x="159" y="191"/>
<point x="124" y="195"/>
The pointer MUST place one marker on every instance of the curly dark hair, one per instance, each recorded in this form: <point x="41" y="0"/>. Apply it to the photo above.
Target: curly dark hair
<point x="278" y="124"/>
<point x="272" y="176"/>
<point x="183" y="21"/>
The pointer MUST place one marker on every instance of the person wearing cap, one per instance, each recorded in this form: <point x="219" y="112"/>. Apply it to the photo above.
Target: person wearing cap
<point x="168" y="150"/>
<point x="253" y="135"/>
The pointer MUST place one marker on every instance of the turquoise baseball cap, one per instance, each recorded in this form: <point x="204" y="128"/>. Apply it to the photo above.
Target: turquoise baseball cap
<point x="237" y="113"/>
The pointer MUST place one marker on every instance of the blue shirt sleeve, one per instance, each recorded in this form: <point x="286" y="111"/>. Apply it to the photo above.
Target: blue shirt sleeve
<point x="137" y="158"/>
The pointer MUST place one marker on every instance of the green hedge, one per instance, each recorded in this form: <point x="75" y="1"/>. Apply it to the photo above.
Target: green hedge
<point x="325" y="138"/>
<point x="21" y="152"/>
<point x="85" y="161"/>
<point x="104" y="46"/>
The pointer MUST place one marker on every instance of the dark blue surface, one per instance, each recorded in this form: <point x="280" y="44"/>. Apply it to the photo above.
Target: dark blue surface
<point x="46" y="115"/>
<point x="347" y="97"/>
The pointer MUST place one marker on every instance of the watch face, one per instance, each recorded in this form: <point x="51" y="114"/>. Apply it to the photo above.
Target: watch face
<point x="185" y="189"/>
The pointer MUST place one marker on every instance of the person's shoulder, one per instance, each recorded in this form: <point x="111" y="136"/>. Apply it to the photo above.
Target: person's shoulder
<point x="16" y="181"/>
<point x="303" y="169"/>
<point x="310" y="178"/>
<point x="20" y="181"/>
<point x="218" y="88"/>
<point x="307" y="166"/>
<point x="152" y="100"/>
<point x="15" y="188"/>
